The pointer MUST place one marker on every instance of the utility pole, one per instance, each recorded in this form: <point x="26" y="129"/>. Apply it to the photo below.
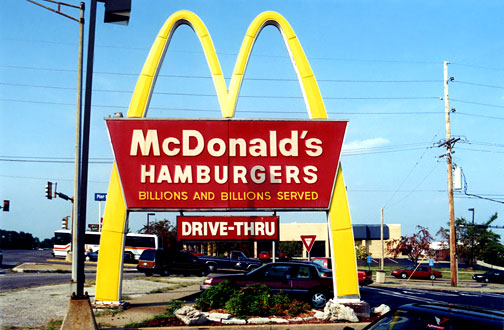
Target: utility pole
<point x="381" y="238"/>
<point x="449" y="145"/>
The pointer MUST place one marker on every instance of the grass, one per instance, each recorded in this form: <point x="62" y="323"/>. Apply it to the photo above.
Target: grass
<point x="167" y="288"/>
<point x="54" y="324"/>
<point x="107" y="312"/>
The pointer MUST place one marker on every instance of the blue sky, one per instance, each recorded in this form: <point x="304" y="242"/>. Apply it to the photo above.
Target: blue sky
<point x="379" y="65"/>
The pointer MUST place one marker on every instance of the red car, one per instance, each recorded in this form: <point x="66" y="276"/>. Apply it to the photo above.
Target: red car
<point x="309" y="281"/>
<point x="420" y="272"/>
<point x="364" y="276"/>
<point x="266" y="255"/>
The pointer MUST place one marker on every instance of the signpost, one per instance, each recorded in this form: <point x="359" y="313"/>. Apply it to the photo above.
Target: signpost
<point x="99" y="197"/>
<point x="308" y="241"/>
<point x="369" y="261"/>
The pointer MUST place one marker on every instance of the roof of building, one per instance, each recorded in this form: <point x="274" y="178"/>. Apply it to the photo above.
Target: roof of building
<point x="369" y="232"/>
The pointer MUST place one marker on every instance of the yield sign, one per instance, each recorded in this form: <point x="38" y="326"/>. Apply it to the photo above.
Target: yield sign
<point x="308" y="241"/>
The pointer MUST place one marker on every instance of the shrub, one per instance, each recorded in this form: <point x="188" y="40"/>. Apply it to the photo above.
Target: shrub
<point x="216" y="296"/>
<point x="173" y="305"/>
<point x="296" y="307"/>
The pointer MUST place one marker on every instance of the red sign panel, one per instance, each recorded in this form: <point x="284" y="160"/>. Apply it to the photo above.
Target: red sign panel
<point x="308" y="241"/>
<point x="227" y="164"/>
<point x="227" y="228"/>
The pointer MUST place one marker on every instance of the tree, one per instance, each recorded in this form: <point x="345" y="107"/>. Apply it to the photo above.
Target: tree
<point x="476" y="242"/>
<point x="414" y="246"/>
<point x="165" y="230"/>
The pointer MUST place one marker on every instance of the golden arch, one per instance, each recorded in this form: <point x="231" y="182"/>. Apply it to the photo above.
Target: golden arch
<point x="109" y="271"/>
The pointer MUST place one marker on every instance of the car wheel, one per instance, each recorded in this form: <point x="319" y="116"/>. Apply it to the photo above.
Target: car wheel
<point x="148" y="274"/>
<point x="487" y="280"/>
<point x="212" y="268"/>
<point x="318" y="299"/>
<point x="432" y="277"/>
<point x="404" y="275"/>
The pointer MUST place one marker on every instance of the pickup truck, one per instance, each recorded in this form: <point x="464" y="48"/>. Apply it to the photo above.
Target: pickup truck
<point x="365" y="276"/>
<point x="420" y="272"/>
<point x="236" y="261"/>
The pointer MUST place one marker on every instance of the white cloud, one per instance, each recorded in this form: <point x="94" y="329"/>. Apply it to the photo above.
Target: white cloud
<point x="365" y="144"/>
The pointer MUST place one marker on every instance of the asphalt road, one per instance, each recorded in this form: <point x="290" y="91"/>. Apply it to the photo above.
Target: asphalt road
<point x="375" y="296"/>
<point x="395" y="297"/>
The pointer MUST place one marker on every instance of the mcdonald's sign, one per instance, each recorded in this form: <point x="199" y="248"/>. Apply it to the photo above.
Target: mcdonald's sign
<point x="227" y="164"/>
<point x="108" y="282"/>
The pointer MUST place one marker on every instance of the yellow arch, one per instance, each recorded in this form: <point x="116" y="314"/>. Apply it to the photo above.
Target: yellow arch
<point x="109" y="271"/>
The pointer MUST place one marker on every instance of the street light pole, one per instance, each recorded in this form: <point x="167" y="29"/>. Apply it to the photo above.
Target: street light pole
<point x="78" y="115"/>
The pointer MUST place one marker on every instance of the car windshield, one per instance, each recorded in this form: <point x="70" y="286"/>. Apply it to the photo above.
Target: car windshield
<point x="148" y="255"/>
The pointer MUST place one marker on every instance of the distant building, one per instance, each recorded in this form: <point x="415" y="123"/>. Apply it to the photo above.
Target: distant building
<point x="364" y="235"/>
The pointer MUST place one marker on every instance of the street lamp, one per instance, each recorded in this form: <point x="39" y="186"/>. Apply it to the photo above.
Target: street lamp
<point x="148" y="215"/>
<point x="78" y="116"/>
<point x="74" y="317"/>
<point x="83" y="179"/>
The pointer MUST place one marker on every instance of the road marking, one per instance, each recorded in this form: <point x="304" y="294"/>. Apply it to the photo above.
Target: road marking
<point x="405" y="296"/>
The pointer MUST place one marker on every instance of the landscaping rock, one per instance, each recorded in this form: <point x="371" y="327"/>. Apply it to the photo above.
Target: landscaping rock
<point x="278" y="320"/>
<point x="338" y="312"/>
<point x="218" y="317"/>
<point x="258" y="320"/>
<point x="190" y="316"/>
<point x="322" y="316"/>
<point x="382" y="309"/>
<point x="234" y="321"/>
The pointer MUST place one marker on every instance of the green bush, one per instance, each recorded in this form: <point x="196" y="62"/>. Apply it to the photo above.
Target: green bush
<point x="251" y="300"/>
<point x="216" y="296"/>
<point x="173" y="305"/>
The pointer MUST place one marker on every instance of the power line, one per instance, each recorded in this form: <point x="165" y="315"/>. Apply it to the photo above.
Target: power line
<point x="477" y="84"/>
<point x="478" y="103"/>
<point x="218" y="110"/>
<point x="245" y="78"/>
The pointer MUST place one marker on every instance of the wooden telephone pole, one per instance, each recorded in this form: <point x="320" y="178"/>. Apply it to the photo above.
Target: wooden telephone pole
<point x="449" y="145"/>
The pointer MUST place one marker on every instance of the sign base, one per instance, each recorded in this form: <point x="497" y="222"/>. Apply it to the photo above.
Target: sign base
<point x="79" y="315"/>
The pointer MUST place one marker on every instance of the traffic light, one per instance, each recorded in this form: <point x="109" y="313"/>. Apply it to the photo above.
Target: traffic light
<point x="48" y="190"/>
<point x="6" y="205"/>
<point x="64" y="223"/>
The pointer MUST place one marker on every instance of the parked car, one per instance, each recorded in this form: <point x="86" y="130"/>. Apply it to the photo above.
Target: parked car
<point x="266" y="256"/>
<point x="439" y="316"/>
<point x="365" y="276"/>
<point x="128" y="257"/>
<point x="420" y="272"/>
<point x="308" y="281"/>
<point x="494" y="276"/>
<point x="237" y="260"/>
<point x="165" y="262"/>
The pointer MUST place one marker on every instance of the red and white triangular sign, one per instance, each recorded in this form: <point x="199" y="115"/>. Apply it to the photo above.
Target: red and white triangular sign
<point x="308" y="241"/>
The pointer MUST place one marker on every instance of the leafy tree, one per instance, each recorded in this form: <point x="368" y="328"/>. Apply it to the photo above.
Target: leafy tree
<point x="414" y="246"/>
<point x="291" y="248"/>
<point x="165" y="230"/>
<point x="362" y="252"/>
<point x="476" y="242"/>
